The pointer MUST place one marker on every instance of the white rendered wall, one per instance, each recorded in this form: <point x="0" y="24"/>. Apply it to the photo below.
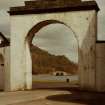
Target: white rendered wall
<point x="82" y="23"/>
<point x="5" y="70"/>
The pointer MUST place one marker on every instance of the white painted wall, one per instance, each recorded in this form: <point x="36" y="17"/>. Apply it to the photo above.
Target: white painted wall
<point x="4" y="70"/>
<point x="82" y="23"/>
<point x="7" y="68"/>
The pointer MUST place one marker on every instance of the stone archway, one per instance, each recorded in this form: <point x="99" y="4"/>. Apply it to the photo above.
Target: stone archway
<point x="82" y="20"/>
<point x="28" y="41"/>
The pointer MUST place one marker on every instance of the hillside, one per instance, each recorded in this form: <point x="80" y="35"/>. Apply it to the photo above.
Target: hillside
<point x="43" y="62"/>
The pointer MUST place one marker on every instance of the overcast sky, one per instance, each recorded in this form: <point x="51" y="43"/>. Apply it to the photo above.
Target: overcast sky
<point x="58" y="39"/>
<point x="53" y="46"/>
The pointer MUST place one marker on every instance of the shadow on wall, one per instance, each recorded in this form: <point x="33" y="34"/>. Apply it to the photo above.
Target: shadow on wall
<point x="87" y="56"/>
<point x="1" y="72"/>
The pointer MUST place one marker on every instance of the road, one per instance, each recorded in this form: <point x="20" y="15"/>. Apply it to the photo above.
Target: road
<point x="51" y="78"/>
<point x="52" y="82"/>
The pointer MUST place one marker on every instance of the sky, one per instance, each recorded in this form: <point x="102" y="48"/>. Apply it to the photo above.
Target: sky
<point x="59" y="40"/>
<point x="48" y="44"/>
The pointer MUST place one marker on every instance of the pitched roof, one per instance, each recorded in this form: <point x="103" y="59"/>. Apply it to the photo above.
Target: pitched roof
<point x="3" y="41"/>
<point x="48" y="6"/>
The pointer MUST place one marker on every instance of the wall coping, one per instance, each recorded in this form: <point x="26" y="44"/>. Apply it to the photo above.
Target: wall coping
<point x="50" y="6"/>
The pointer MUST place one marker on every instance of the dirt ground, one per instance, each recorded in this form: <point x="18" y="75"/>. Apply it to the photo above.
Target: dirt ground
<point x="51" y="97"/>
<point x="53" y="85"/>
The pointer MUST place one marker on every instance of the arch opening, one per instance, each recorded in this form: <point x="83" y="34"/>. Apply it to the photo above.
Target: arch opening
<point x="42" y="24"/>
<point x="48" y="42"/>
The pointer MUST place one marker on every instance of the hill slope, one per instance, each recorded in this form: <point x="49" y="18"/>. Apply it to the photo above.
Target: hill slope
<point x="43" y="62"/>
